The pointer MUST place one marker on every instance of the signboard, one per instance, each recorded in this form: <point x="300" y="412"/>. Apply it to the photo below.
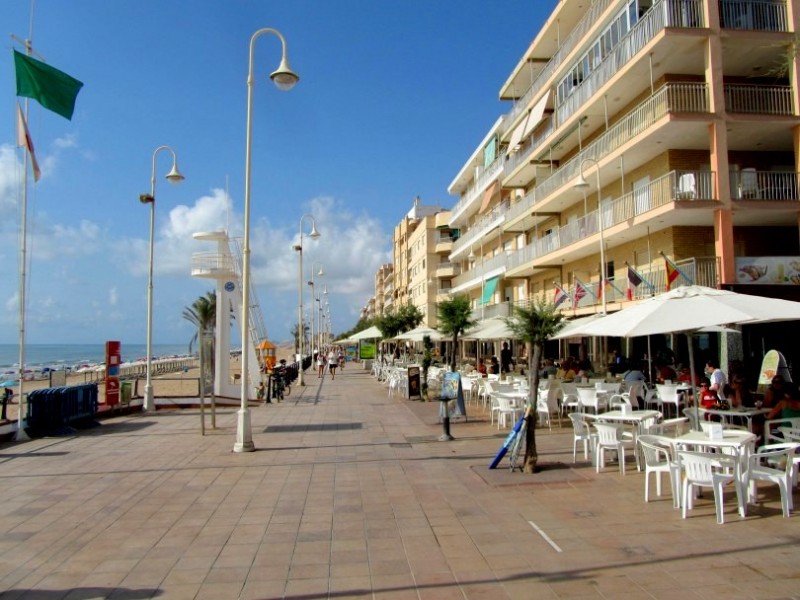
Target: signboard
<point x="770" y="270"/>
<point x="367" y="350"/>
<point x="113" y="354"/>
<point x="773" y="364"/>
<point x="452" y="396"/>
<point x="413" y="382"/>
<point x="351" y="352"/>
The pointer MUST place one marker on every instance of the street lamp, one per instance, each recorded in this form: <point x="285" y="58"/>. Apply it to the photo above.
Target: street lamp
<point x="285" y="79"/>
<point x="582" y="184"/>
<point x="313" y="291"/>
<point x="174" y="176"/>
<point x="299" y="247"/>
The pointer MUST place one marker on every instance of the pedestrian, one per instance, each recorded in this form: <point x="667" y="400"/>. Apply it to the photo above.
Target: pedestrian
<point x="505" y="359"/>
<point x="260" y="391"/>
<point x="320" y="365"/>
<point x="342" y="359"/>
<point x="332" y="362"/>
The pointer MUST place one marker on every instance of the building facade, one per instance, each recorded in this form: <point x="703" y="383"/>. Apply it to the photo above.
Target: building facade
<point x="680" y="117"/>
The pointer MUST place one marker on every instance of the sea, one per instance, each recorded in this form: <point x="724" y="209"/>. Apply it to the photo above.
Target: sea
<point x="60" y="356"/>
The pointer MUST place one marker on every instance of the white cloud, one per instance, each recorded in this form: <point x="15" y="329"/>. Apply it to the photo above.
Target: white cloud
<point x="10" y="174"/>
<point x="113" y="296"/>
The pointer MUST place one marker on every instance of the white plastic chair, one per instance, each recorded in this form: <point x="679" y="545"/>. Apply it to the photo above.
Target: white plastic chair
<point x="590" y="398"/>
<point x="760" y="468"/>
<point x="569" y="399"/>
<point x="581" y="433"/>
<point x="672" y="427"/>
<point x="702" y="469"/>
<point x="658" y="460"/>
<point x="506" y="407"/>
<point x="548" y="404"/>
<point x="669" y="395"/>
<point x="611" y="436"/>
<point x="772" y="433"/>
<point x="687" y="188"/>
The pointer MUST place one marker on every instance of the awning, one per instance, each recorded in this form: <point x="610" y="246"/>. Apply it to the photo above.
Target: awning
<point x="487" y="196"/>
<point x="516" y="136"/>
<point x="537" y="112"/>
<point x="489" y="288"/>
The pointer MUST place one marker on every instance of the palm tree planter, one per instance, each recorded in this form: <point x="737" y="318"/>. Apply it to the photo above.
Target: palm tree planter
<point x="534" y="325"/>
<point x="454" y="316"/>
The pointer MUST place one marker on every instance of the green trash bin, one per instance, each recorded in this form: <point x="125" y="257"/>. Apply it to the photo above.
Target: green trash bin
<point x="125" y="392"/>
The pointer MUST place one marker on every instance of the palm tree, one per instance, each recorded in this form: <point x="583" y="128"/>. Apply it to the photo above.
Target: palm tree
<point x="296" y="336"/>
<point x="534" y="325"/>
<point x="203" y="315"/>
<point x="454" y="317"/>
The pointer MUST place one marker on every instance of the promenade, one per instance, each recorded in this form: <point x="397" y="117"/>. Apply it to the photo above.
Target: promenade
<point x="350" y="495"/>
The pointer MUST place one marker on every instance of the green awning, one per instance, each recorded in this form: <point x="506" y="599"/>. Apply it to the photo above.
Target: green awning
<point x="488" y="289"/>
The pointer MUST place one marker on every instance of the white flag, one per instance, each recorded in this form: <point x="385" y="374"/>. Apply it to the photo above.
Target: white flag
<point x="24" y="139"/>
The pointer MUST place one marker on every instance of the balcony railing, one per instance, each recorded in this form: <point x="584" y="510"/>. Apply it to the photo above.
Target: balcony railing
<point x="479" y="269"/>
<point x="570" y="42"/>
<point x="676" y="186"/>
<point x="523" y="154"/>
<point x="488" y="311"/>
<point x="212" y="264"/>
<point x="759" y="99"/>
<point x="478" y="186"/>
<point x="759" y="15"/>
<point x="668" y="13"/>
<point x="671" y="98"/>
<point x="749" y="184"/>
<point x="479" y="228"/>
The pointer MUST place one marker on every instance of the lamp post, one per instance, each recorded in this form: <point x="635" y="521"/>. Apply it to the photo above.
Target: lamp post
<point x="174" y="176"/>
<point x="582" y="184"/>
<point x="327" y="316"/>
<point x="299" y="247"/>
<point x="285" y="79"/>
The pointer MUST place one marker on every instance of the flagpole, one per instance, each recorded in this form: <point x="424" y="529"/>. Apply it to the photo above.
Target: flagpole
<point x="21" y="435"/>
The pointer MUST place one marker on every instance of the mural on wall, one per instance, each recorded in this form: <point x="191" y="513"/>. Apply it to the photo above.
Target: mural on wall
<point x="772" y="270"/>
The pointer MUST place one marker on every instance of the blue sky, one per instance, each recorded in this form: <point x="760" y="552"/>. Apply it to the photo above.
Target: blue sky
<point x="393" y="98"/>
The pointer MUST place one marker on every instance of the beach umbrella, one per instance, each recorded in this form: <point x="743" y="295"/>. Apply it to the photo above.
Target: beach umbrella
<point x="416" y="334"/>
<point x="490" y="329"/>
<point x="370" y="333"/>
<point x="688" y="309"/>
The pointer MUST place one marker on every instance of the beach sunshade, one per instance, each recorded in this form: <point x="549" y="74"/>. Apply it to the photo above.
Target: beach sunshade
<point x="491" y="329"/>
<point x="416" y="334"/>
<point x="575" y="327"/>
<point x="370" y="333"/>
<point x="690" y="308"/>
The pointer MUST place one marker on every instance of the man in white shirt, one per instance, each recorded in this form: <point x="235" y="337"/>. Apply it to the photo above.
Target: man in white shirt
<point x="716" y="377"/>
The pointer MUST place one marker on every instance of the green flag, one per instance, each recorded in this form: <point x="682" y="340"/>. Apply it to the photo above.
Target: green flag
<point x="53" y="89"/>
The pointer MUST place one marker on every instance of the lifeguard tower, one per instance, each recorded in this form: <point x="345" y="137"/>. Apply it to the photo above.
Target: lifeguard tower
<point x="224" y="265"/>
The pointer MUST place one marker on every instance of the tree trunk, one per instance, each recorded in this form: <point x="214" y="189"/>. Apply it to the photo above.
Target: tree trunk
<point x="453" y="353"/>
<point x="534" y="360"/>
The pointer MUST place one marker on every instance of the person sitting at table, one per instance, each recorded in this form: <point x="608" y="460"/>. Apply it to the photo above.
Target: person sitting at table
<point x="716" y="377"/>
<point x="665" y="373"/>
<point x="788" y="407"/>
<point x="494" y="366"/>
<point x="708" y="397"/>
<point x="775" y="392"/>
<point x="567" y="370"/>
<point x="737" y="393"/>
<point x="481" y="367"/>
<point x="548" y="369"/>
<point x="585" y="368"/>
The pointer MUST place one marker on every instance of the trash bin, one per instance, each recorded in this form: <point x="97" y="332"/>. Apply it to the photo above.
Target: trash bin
<point x="125" y="392"/>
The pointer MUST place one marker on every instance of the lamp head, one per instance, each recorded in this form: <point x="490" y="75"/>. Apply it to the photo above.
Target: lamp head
<point x="314" y="233"/>
<point x="581" y="183"/>
<point x="146" y="198"/>
<point x="471" y="257"/>
<point x="284" y="78"/>
<point x="297" y="248"/>
<point x="174" y="176"/>
<point x="321" y="272"/>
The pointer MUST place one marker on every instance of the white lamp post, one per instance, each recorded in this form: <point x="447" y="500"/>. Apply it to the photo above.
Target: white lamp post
<point x="299" y="247"/>
<point x="174" y="176"/>
<point x="581" y="183"/>
<point x="285" y="79"/>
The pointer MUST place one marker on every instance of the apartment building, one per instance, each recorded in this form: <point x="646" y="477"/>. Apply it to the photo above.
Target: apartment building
<point x="680" y="117"/>
<point x="423" y="272"/>
<point x="384" y="288"/>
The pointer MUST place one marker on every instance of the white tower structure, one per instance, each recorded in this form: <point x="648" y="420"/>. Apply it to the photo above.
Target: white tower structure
<point x="224" y="266"/>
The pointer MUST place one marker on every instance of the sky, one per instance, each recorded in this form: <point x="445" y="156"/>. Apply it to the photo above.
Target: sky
<point x="392" y="100"/>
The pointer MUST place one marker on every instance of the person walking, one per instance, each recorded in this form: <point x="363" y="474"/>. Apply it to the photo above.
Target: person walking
<point x="320" y="365"/>
<point x="333" y="361"/>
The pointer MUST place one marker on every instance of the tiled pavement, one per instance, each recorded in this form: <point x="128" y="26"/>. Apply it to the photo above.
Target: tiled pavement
<point x="350" y="495"/>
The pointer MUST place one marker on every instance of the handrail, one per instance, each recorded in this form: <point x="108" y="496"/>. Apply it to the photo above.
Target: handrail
<point x="479" y="227"/>
<point x="477" y="187"/>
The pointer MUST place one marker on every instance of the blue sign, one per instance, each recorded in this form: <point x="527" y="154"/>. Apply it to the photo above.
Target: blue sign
<point x="229" y="286"/>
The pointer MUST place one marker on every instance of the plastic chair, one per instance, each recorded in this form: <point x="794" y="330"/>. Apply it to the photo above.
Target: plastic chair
<point x="581" y="433"/>
<point x="569" y="399"/>
<point x="590" y="398"/>
<point x="772" y="427"/>
<point x="669" y="395"/>
<point x="672" y="427"/>
<point x="702" y="469"/>
<point x="548" y="404"/>
<point x="657" y="459"/>
<point x="505" y="408"/>
<point x="760" y="469"/>
<point x="610" y="437"/>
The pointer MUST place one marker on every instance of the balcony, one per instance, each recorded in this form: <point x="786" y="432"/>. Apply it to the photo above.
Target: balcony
<point x="759" y="99"/>
<point x="481" y="270"/>
<point x="213" y="265"/>
<point x="476" y="190"/>
<point x="670" y="99"/>
<point x="444" y="245"/>
<point x="754" y="15"/>
<point x="488" y="311"/>
<point x="676" y="186"/>
<point x="749" y="184"/>
<point x="445" y="269"/>
<point x="480" y="228"/>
